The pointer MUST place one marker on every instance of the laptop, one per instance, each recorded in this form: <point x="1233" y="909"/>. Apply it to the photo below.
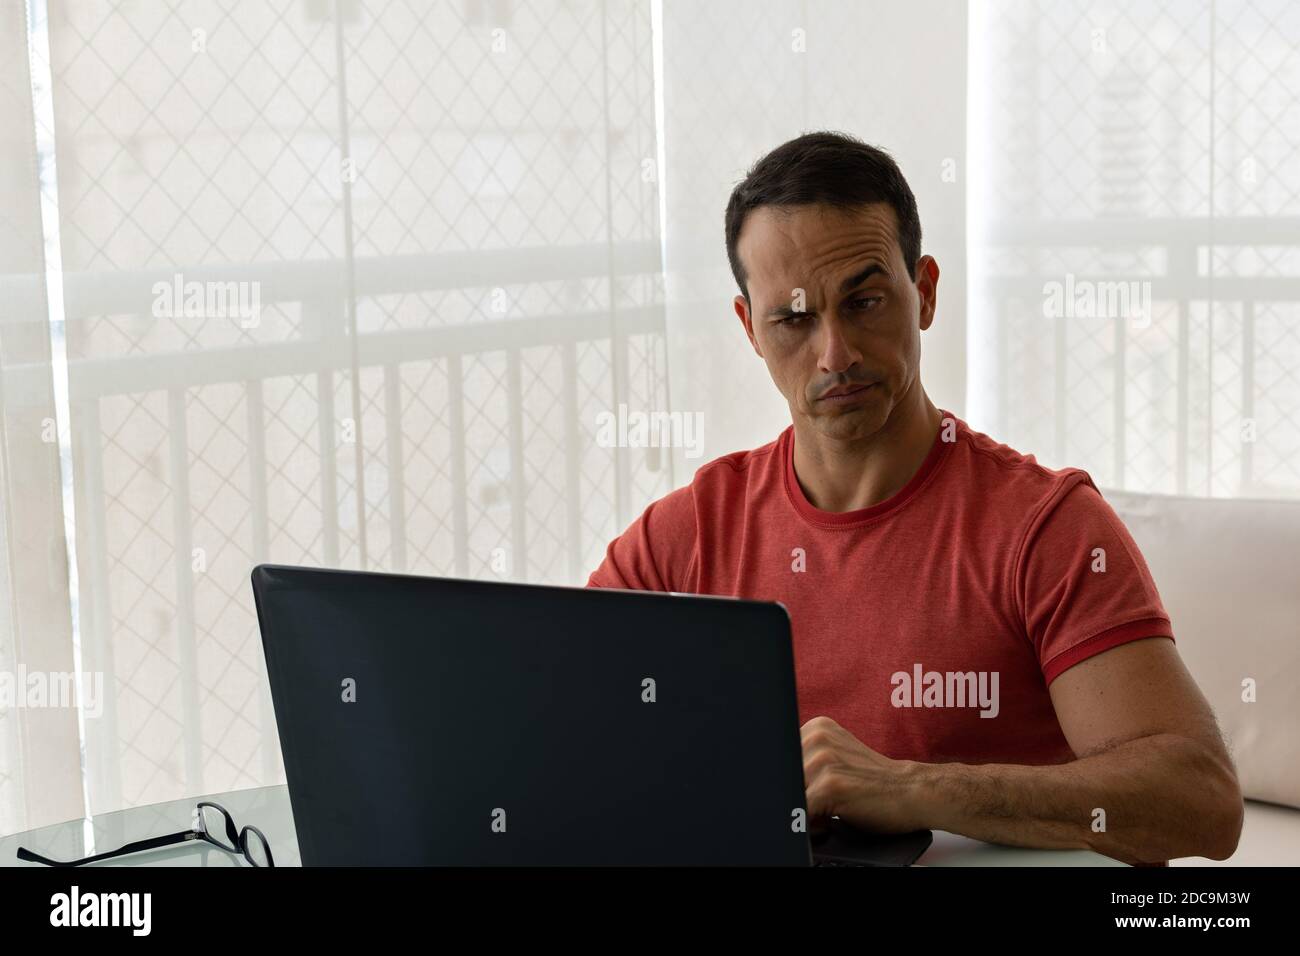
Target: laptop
<point x="444" y="722"/>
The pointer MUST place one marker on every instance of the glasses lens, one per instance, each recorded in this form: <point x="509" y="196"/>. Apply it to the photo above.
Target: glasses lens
<point x="257" y="850"/>
<point x="217" y="825"/>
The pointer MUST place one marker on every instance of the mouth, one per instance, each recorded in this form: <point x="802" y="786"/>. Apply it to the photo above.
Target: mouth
<point x="847" y="395"/>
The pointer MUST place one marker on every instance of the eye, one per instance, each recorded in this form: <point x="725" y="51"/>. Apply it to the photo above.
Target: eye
<point x="866" y="303"/>
<point x="793" y="319"/>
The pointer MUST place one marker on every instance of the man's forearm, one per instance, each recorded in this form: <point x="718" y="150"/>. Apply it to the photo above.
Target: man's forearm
<point x="1162" y="797"/>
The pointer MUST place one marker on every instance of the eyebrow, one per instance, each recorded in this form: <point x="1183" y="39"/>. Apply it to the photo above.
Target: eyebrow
<point x="848" y="285"/>
<point x="852" y="282"/>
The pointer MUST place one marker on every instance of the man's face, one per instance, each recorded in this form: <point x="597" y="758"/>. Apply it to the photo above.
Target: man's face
<point x="834" y="313"/>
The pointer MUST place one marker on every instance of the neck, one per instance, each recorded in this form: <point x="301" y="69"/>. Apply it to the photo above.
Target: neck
<point x="850" y="474"/>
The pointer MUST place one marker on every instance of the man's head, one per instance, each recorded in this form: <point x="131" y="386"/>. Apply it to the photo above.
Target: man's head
<point x="825" y="244"/>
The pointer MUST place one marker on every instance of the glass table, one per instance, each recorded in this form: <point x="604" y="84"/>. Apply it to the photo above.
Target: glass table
<point x="268" y="809"/>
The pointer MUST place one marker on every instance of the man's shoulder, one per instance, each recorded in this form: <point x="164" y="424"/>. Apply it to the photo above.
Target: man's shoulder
<point x="739" y="464"/>
<point x="1012" y="475"/>
<point x="722" y="478"/>
<point x="738" y="469"/>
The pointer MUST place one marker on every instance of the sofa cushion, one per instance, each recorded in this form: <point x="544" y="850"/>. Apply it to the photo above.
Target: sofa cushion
<point x="1228" y="571"/>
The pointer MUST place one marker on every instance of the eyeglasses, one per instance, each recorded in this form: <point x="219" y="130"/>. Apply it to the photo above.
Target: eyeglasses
<point x="212" y="824"/>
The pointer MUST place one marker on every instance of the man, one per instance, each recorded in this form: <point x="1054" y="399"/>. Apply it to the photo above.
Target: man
<point x="979" y="646"/>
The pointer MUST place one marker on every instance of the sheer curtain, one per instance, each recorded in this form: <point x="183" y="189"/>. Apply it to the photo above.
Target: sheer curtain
<point x="40" y="773"/>
<point x="1149" y="151"/>
<point x="348" y="283"/>
<point x="424" y="255"/>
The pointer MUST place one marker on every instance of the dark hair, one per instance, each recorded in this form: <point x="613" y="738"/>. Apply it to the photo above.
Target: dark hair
<point x="824" y="167"/>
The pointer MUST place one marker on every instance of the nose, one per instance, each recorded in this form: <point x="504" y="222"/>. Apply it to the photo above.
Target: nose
<point x="836" y="354"/>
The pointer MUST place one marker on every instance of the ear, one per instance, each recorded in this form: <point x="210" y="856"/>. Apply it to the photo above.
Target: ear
<point x="747" y="320"/>
<point x="927" y="287"/>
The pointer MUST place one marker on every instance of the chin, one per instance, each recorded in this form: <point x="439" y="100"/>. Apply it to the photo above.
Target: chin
<point x="850" y="424"/>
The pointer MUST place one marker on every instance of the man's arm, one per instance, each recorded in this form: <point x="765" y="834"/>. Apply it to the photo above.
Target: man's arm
<point x="1149" y="756"/>
<point x="1151" y="767"/>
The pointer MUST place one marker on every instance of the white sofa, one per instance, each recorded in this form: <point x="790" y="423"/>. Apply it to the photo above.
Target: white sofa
<point x="1229" y="574"/>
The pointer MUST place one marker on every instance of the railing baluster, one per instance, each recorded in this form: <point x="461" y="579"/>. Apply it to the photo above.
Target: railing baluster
<point x="573" y="445"/>
<point x="518" y="485"/>
<point x="96" y="606"/>
<point x="618" y="346"/>
<point x="257" y="473"/>
<point x="1062" y="359"/>
<point x="182" y="555"/>
<point x="1121" y="400"/>
<point x="258" y="490"/>
<point x="396" y="456"/>
<point x="459" y="484"/>
<point x="1247" y="395"/>
<point x="329" y="461"/>
<point x="1183" y="466"/>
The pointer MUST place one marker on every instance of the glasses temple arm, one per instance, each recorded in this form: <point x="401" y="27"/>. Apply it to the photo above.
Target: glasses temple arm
<point x="150" y="844"/>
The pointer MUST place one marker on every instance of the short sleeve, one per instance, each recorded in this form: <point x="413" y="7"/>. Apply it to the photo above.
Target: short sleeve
<point x="1082" y="583"/>
<point x="656" y="551"/>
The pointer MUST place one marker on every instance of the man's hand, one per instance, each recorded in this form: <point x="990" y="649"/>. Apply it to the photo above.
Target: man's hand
<point x="847" y="779"/>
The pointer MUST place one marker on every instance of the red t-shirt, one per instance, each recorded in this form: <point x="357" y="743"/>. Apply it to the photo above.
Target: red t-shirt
<point x="929" y="625"/>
